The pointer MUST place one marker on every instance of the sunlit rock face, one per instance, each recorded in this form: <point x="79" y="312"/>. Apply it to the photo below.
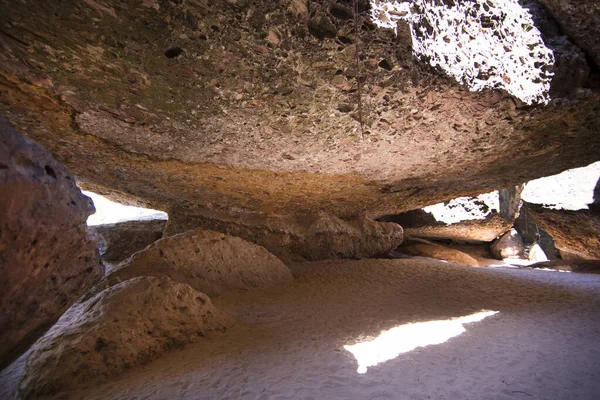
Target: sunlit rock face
<point x="484" y="44"/>
<point x="254" y="105"/>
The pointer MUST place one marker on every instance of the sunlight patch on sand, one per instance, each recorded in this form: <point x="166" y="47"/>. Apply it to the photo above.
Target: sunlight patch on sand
<point x="404" y="338"/>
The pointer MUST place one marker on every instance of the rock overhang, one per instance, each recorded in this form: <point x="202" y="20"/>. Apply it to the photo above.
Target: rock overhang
<point x="256" y="112"/>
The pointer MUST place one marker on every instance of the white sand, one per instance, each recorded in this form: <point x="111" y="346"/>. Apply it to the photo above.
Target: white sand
<point x="544" y="342"/>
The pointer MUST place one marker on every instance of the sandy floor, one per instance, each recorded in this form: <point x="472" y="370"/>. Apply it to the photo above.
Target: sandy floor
<point x="544" y="342"/>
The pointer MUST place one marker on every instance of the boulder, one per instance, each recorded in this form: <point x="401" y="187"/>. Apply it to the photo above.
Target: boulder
<point x="467" y="219"/>
<point x="120" y="240"/>
<point x="509" y="245"/>
<point x="437" y="251"/>
<point x="208" y="261"/>
<point x="125" y="325"/>
<point x="47" y="259"/>
<point x="298" y="237"/>
<point x="576" y="234"/>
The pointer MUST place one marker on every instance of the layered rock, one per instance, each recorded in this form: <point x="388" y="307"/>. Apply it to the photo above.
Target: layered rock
<point x="120" y="240"/>
<point x="208" y="261"/>
<point x="298" y="237"/>
<point x="576" y="234"/>
<point x="123" y="326"/>
<point x="47" y="259"/>
<point x="253" y="106"/>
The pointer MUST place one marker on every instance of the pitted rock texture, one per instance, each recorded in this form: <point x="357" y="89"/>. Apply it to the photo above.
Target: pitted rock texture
<point x="576" y="234"/>
<point x="120" y="240"/>
<point x="208" y="261"/>
<point x="47" y="259"/>
<point x="253" y="106"/>
<point x="295" y="238"/>
<point x="123" y="326"/>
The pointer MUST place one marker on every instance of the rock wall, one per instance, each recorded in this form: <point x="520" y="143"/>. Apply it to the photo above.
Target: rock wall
<point x="47" y="259"/>
<point x="298" y="237"/>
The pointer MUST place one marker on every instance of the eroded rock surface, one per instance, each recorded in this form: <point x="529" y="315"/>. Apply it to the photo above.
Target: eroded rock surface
<point x="576" y="234"/>
<point x="47" y="259"/>
<point x="125" y="325"/>
<point x="298" y="237"/>
<point x="253" y="105"/>
<point x="208" y="261"/>
<point x="120" y="240"/>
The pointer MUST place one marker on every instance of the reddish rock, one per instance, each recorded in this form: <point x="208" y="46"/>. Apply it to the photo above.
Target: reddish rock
<point x="47" y="259"/>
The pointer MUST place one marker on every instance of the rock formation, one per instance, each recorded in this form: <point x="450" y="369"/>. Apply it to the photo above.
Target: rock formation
<point x="120" y="240"/>
<point x="254" y="105"/>
<point x="471" y="219"/>
<point x="298" y="237"/>
<point x="208" y="261"/>
<point x="47" y="259"/>
<point x="125" y="325"/>
<point x="509" y="245"/>
<point x="576" y="234"/>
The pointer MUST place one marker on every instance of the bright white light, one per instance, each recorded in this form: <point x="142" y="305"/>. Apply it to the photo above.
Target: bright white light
<point x="404" y="338"/>
<point x="109" y="212"/>
<point x="570" y="190"/>
<point x="465" y="208"/>
<point x="482" y="44"/>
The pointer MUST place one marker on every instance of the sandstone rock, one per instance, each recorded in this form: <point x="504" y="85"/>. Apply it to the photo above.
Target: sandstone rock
<point x="570" y="265"/>
<point x="576" y="233"/>
<point x="469" y="219"/>
<point x="298" y="237"/>
<point x="122" y="239"/>
<point x="208" y="128"/>
<point x="509" y="245"/>
<point x="432" y="250"/>
<point x="125" y="325"/>
<point x="47" y="259"/>
<point x="208" y="261"/>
